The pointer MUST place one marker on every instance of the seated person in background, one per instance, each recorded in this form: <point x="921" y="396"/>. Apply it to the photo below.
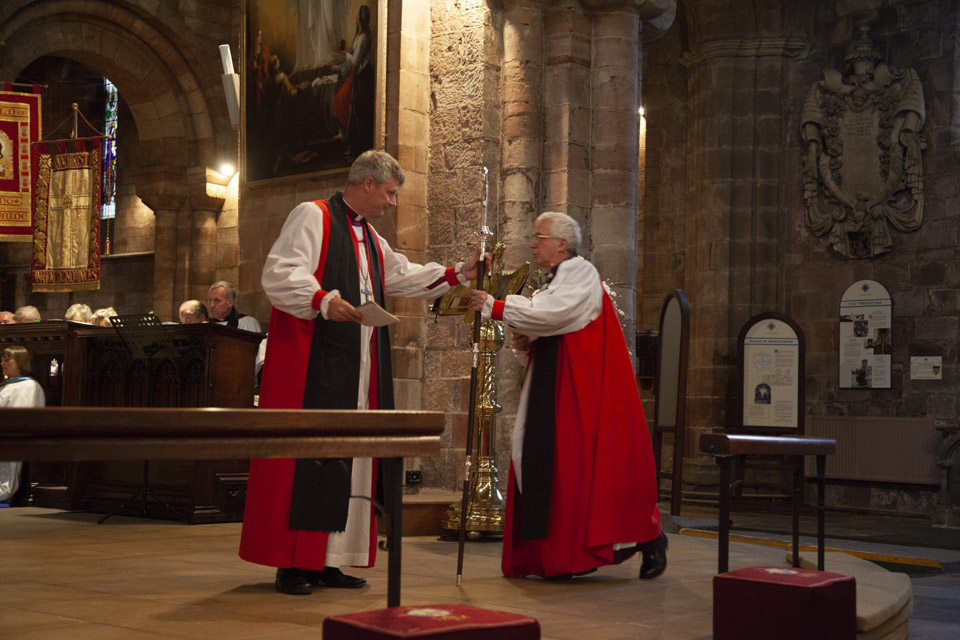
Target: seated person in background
<point x="222" y="298"/>
<point x="257" y="370"/>
<point x="78" y="313"/>
<point x="101" y="317"/>
<point x="193" y="312"/>
<point x="26" y="313"/>
<point x="19" y="391"/>
<point x="6" y="317"/>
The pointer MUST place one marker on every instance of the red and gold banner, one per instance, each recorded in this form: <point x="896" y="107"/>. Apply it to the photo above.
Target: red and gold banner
<point x="66" y="224"/>
<point x="19" y="128"/>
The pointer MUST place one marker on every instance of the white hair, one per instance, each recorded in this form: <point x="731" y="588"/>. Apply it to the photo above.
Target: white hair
<point x="565" y="227"/>
<point x="26" y="313"/>
<point x="101" y="317"/>
<point x="83" y="309"/>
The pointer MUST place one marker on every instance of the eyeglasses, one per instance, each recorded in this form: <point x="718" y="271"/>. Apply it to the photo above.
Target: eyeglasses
<point x="539" y="237"/>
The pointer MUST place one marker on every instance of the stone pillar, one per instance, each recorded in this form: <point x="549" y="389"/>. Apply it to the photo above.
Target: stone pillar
<point x="615" y="136"/>
<point x="732" y="267"/>
<point x="566" y="113"/>
<point x="201" y="224"/>
<point x="521" y="127"/>
<point x="591" y="138"/>
<point x="163" y="190"/>
<point x="407" y="139"/>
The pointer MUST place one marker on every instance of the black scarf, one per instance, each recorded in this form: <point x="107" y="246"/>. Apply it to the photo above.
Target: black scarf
<point x="321" y="492"/>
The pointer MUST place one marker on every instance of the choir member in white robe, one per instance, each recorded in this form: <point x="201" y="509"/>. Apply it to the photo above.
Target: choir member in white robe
<point x="327" y="261"/>
<point x="19" y="390"/>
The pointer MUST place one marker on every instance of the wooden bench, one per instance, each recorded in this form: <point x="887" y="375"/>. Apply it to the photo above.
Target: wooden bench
<point x="117" y="433"/>
<point x="726" y="447"/>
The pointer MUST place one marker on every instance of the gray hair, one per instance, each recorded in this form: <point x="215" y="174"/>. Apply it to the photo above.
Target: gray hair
<point x="229" y="290"/>
<point x="379" y="165"/>
<point x="565" y="227"/>
<point x="194" y="308"/>
<point x="83" y="309"/>
<point x="26" y="313"/>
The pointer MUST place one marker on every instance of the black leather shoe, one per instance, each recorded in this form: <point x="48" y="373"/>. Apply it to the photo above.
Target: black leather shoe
<point x="562" y="577"/>
<point x="333" y="578"/>
<point x="655" y="561"/>
<point x="569" y="576"/>
<point x="292" y="582"/>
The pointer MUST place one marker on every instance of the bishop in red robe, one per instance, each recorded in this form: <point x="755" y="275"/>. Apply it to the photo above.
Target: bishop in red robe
<point x="327" y="261"/>
<point x="582" y="489"/>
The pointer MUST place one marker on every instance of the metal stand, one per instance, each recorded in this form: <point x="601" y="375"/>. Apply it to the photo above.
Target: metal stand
<point x="393" y="503"/>
<point x="143" y="493"/>
<point x="145" y="338"/>
<point x="485" y="504"/>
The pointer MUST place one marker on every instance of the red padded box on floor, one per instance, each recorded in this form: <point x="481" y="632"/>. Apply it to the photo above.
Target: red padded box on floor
<point x="784" y="603"/>
<point x="446" y="621"/>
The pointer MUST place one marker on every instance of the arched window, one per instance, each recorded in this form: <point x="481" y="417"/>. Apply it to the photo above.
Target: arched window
<point x="108" y="193"/>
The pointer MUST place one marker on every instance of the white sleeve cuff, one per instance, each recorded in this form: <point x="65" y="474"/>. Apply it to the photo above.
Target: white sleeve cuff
<point x="325" y="303"/>
<point x="487" y="310"/>
<point x="457" y="268"/>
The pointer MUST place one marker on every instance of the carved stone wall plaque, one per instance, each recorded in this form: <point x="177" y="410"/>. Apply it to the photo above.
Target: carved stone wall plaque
<point x="863" y="170"/>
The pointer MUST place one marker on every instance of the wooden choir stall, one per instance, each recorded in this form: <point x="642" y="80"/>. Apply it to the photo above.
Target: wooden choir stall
<point x="82" y="365"/>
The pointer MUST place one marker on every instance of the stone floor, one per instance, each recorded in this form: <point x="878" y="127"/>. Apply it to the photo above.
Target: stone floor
<point x="64" y="576"/>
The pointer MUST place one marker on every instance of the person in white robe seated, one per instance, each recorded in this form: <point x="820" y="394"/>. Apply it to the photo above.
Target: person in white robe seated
<point x="18" y="390"/>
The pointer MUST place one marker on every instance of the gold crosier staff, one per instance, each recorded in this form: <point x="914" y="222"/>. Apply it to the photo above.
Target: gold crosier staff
<point x="472" y="410"/>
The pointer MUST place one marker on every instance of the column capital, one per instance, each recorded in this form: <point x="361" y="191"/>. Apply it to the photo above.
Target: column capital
<point x="160" y="188"/>
<point x="646" y="9"/>
<point x="202" y="197"/>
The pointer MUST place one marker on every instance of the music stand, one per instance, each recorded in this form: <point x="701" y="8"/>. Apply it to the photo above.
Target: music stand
<point x="145" y="338"/>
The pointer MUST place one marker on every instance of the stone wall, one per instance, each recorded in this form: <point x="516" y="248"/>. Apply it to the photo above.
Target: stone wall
<point x="464" y="72"/>
<point x="723" y="218"/>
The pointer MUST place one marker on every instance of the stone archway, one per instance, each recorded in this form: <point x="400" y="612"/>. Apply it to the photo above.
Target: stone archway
<point x="156" y="79"/>
<point x="144" y="52"/>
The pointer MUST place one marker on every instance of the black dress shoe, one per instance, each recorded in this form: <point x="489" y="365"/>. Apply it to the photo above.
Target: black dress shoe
<point x="292" y="582"/>
<point x="569" y="576"/>
<point x="333" y="578"/>
<point x="562" y="577"/>
<point x="654" y="560"/>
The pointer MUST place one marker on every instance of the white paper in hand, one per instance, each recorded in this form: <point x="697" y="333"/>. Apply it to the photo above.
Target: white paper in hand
<point x="373" y="315"/>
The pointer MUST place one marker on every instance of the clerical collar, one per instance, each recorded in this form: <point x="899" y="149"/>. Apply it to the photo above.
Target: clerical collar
<point x="355" y="218"/>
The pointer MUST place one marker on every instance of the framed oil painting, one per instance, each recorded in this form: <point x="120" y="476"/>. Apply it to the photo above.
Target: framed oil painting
<point x="311" y="77"/>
